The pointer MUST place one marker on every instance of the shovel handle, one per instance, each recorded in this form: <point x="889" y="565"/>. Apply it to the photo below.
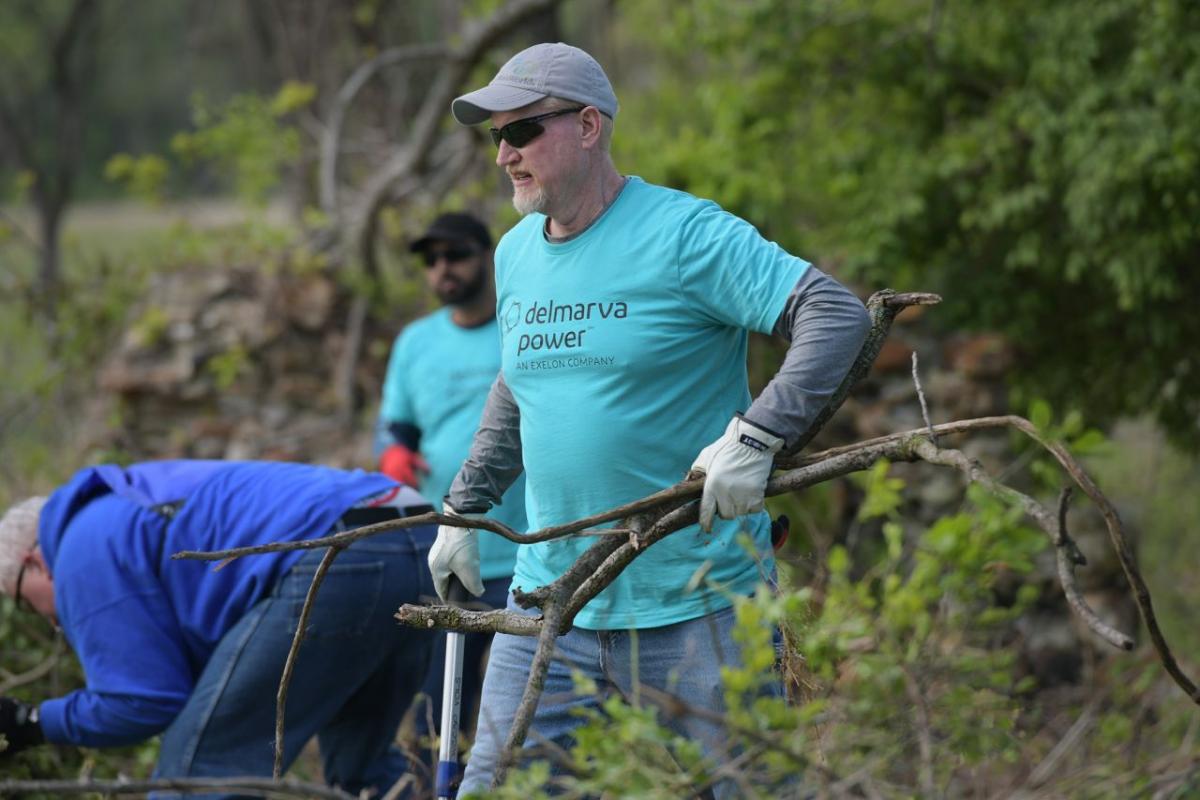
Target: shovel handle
<point x="447" y="775"/>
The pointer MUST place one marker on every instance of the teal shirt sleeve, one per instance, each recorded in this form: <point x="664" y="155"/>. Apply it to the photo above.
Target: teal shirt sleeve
<point x="396" y="406"/>
<point x="730" y="274"/>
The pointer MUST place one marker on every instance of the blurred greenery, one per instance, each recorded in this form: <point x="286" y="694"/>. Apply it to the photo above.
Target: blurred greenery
<point x="1037" y="164"/>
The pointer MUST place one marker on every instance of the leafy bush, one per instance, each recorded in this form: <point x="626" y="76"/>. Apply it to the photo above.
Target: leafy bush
<point x="905" y="686"/>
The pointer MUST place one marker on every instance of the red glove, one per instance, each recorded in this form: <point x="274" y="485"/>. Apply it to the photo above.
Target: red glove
<point x="404" y="465"/>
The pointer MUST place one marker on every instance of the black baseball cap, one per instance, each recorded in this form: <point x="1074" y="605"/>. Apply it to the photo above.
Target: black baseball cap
<point x="454" y="227"/>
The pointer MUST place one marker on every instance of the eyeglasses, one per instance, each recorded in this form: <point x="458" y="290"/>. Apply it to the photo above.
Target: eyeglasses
<point x="521" y="132"/>
<point x="451" y="254"/>
<point x="20" y="580"/>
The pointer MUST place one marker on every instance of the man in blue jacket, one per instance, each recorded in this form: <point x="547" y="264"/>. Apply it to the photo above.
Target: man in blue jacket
<point x="178" y="648"/>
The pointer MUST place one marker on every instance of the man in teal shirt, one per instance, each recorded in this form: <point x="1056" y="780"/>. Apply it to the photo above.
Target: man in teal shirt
<point x="441" y="368"/>
<point x="624" y="310"/>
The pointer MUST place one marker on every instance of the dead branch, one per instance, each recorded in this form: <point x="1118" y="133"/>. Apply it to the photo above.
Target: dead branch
<point x="466" y="621"/>
<point x="293" y="651"/>
<point x="581" y="584"/>
<point x="921" y="396"/>
<point x="1066" y="552"/>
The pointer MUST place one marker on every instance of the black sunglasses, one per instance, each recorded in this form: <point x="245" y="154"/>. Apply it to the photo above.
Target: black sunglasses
<point x="451" y="254"/>
<point x="521" y="132"/>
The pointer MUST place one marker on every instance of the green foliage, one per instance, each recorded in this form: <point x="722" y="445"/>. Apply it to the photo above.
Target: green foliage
<point x="143" y="176"/>
<point x="246" y="139"/>
<point x="293" y="96"/>
<point x="883" y="493"/>
<point x="1036" y="164"/>
<point x="1071" y="432"/>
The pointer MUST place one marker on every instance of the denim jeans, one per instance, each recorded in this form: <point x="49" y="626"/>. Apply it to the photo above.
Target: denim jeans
<point x="683" y="660"/>
<point x="429" y="708"/>
<point x="356" y="673"/>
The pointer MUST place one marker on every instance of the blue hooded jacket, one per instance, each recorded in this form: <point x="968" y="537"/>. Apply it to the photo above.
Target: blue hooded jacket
<point x="143" y="625"/>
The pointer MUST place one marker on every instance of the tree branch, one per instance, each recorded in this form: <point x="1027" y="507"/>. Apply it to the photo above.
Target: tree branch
<point x="459" y="63"/>
<point x="331" y="138"/>
<point x="293" y="652"/>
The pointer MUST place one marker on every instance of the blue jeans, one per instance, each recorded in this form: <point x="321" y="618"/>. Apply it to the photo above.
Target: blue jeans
<point x="683" y="660"/>
<point x="356" y="673"/>
<point x="429" y="709"/>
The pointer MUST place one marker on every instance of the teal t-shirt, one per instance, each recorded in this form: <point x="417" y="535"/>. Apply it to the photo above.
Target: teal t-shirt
<point x="625" y="350"/>
<point x="438" y="379"/>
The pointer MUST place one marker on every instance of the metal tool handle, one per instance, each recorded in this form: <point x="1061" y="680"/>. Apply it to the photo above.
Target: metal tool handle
<point x="447" y="778"/>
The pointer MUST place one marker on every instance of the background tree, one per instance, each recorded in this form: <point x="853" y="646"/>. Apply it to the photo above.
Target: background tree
<point x="48" y="62"/>
<point x="1038" y="164"/>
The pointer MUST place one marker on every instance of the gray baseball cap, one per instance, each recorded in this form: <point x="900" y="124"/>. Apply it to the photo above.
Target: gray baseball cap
<point x="544" y="70"/>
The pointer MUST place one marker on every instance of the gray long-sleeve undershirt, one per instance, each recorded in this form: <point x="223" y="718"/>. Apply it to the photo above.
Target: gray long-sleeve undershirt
<point x="494" y="462"/>
<point x="825" y="325"/>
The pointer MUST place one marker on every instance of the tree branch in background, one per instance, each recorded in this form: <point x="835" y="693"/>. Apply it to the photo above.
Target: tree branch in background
<point x="331" y="137"/>
<point x="412" y="157"/>
<point x="423" y="161"/>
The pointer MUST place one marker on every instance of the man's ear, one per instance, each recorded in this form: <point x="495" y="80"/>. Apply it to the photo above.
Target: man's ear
<point x="34" y="558"/>
<point x="590" y="123"/>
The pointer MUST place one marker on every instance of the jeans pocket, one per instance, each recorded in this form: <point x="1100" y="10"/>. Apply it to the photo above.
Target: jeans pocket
<point x="347" y="600"/>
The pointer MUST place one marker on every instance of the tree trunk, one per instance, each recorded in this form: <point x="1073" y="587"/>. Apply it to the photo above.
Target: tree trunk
<point x="49" y="276"/>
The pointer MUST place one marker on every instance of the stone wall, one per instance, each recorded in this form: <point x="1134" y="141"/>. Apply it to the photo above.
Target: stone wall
<point x="239" y="365"/>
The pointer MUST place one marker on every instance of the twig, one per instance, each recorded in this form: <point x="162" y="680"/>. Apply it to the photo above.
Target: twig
<point x="1074" y="735"/>
<point x="297" y="638"/>
<point x="921" y="397"/>
<point x="261" y="786"/>
<point x="1065" y="550"/>
<point x="578" y="528"/>
<point x="428" y="122"/>
<point x="35" y="673"/>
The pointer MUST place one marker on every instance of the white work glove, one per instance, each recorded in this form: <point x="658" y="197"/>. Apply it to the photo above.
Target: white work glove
<point x="737" y="467"/>
<point x="456" y="552"/>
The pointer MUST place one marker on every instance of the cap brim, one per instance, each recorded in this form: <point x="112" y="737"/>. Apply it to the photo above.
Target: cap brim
<point x="420" y="244"/>
<point x="438" y="236"/>
<point x="479" y="105"/>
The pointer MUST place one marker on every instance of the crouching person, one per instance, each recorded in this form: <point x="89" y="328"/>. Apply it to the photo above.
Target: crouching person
<point x="195" y="653"/>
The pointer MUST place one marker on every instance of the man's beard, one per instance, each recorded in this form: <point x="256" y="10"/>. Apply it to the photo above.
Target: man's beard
<point x="462" y="293"/>
<point x="529" y="202"/>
